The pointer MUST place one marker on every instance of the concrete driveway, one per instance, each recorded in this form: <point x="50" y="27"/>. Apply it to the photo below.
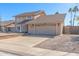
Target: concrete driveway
<point x="35" y="46"/>
<point x="21" y="41"/>
<point x="24" y="40"/>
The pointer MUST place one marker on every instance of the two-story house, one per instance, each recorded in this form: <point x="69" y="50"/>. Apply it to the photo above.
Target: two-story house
<point x="23" y="18"/>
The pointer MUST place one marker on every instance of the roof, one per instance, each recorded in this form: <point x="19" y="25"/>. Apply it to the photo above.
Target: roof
<point x="57" y="18"/>
<point x="23" y="22"/>
<point x="10" y="25"/>
<point x="30" y="13"/>
<point x="5" y="23"/>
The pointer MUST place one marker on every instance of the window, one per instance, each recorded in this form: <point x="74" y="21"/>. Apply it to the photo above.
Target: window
<point x="29" y="17"/>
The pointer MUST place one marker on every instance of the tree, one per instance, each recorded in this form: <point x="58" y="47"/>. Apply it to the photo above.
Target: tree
<point x="75" y="10"/>
<point x="0" y="23"/>
<point x="77" y="19"/>
<point x="56" y="12"/>
<point x="70" y="11"/>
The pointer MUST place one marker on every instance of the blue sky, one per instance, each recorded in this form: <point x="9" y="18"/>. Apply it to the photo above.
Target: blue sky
<point x="7" y="10"/>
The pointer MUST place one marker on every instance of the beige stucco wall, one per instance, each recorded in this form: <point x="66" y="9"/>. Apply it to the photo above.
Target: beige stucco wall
<point x="23" y="27"/>
<point x="59" y="28"/>
<point x="22" y="18"/>
<point x="18" y="20"/>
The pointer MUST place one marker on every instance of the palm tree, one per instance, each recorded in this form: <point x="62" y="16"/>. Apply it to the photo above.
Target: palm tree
<point x="77" y="19"/>
<point x="70" y="11"/>
<point x="75" y="10"/>
<point x="0" y="23"/>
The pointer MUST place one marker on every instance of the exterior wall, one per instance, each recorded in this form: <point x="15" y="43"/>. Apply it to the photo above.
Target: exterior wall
<point x="3" y="29"/>
<point x="18" y="28"/>
<point x="41" y="14"/>
<point x="53" y="29"/>
<point x="18" y="20"/>
<point x="8" y="29"/>
<point x="21" y="18"/>
<point x="23" y="27"/>
<point x="37" y="16"/>
<point x="59" y="28"/>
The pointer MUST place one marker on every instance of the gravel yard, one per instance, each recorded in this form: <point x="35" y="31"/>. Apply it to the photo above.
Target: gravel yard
<point x="66" y="43"/>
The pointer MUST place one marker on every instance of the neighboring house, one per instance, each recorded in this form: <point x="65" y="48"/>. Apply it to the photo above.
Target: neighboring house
<point x="8" y="26"/>
<point x="22" y="19"/>
<point x="47" y="25"/>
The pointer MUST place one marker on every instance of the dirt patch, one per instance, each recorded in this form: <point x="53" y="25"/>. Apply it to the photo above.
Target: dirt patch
<point x="64" y="43"/>
<point x="7" y="36"/>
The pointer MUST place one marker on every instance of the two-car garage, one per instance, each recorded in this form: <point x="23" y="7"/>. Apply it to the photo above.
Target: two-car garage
<point x="47" y="25"/>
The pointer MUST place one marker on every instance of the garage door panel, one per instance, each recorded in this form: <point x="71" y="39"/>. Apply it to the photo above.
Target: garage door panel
<point x="48" y="30"/>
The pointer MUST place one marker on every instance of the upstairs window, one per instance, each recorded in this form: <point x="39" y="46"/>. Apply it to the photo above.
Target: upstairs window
<point x="29" y="17"/>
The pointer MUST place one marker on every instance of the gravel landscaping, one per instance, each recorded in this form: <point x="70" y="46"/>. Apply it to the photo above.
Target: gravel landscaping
<point x="66" y="43"/>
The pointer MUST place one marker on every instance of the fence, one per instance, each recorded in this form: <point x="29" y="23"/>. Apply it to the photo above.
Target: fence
<point x="71" y="30"/>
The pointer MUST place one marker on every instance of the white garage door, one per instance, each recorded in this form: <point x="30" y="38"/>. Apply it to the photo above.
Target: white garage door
<point x="48" y="30"/>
